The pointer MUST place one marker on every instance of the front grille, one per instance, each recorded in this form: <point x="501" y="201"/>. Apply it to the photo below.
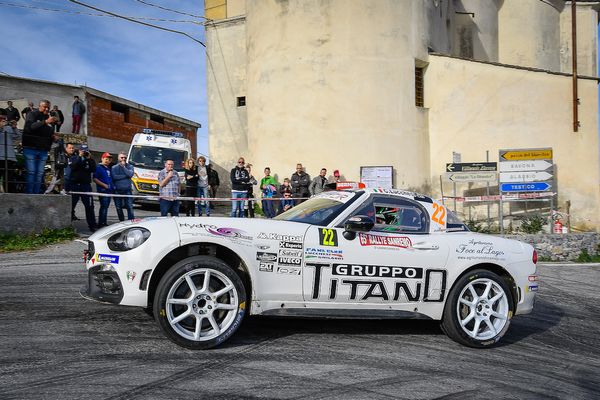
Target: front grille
<point x="149" y="187"/>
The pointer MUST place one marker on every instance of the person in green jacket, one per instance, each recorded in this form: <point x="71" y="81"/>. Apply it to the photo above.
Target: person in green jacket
<point x="268" y="185"/>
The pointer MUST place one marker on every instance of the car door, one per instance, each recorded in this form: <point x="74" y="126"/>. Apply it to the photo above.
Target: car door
<point x="397" y="263"/>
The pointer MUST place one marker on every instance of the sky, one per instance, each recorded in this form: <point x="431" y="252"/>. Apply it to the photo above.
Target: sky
<point x="159" y="69"/>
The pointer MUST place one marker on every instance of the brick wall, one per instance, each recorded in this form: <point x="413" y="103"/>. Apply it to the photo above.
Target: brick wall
<point x="103" y="122"/>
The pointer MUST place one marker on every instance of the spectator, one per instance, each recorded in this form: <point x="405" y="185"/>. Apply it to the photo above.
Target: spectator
<point x="104" y="184"/>
<point x="213" y="184"/>
<point x="282" y="189"/>
<point x="78" y="178"/>
<point x="37" y="140"/>
<point x="27" y="110"/>
<point x="59" y="163"/>
<point x="8" y="159"/>
<point x="58" y="114"/>
<point x="249" y="206"/>
<point x="269" y="190"/>
<point x="121" y="175"/>
<point x="300" y="181"/>
<point x="12" y="114"/>
<point x="336" y="176"/>
<point x="168" y="182"/>
<point x="77" y="113"/>
<point x="240" y="180"/>
<point x="318" y="183"/>
<point x="203" y="174"/>
<point x="68" y="152"/>
<point x="191" y="186"/>
<point x="287" y="201"/>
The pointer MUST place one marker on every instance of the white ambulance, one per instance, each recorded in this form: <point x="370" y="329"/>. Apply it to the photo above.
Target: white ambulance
<point x="148" y="152"/>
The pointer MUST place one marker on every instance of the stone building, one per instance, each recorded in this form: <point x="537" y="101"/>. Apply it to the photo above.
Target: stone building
<point x="110" y="121"/>
<point x="405" y="83"/>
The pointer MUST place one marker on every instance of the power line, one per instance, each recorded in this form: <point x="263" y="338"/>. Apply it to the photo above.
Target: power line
<point x="137" y="22"/>
<point x="96" y="15"/>
<point x="171" y="10"/>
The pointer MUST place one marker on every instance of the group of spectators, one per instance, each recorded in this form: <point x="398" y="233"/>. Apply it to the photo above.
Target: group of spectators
<point x="35" y="141"/>
<point x="292" y="191"/>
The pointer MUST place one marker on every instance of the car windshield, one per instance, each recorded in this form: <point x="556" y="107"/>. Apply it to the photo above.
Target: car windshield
<point x="155" y="157"/>
<point x="320" y="209"/>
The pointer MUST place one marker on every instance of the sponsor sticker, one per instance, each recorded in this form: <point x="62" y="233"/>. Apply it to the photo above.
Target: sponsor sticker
<point x="533" y="288"/>
<point x="269" y="257"/>
<point x="367" y="239"/>
<point x="478" y="249"/>
<point x="290" y="245"/>
<point x="289" y="261"/>
<point x="265" y="267"/>
<point x="381" y="271"/>
<point x="130" y="276"/>
<point x="288" y="270"/>
<point x="280" y="237"/>
<point x="290" y="253"/>
<point x="109" y="258"/>
<point x="324" y="254"/>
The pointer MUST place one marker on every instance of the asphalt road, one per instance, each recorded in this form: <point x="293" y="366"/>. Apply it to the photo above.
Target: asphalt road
<point x="56" y="345"/>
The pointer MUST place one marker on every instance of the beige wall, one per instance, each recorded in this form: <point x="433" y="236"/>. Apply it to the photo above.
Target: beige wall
<point x="331" y="84"/>
<point x="226" y="80"/>
<point x="529" y="34"/>
<point x="498" y="107"/>
<point x="587" y="42"/>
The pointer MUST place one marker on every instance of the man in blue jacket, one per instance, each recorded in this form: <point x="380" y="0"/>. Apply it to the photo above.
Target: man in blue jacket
<point x="104" y="184"/>
<point x="121" y="176"/>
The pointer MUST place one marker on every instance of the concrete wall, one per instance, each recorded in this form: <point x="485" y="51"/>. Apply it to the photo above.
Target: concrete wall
<point x="561" y="247"/>
<point x="21" y="91"/>
<point x="501" y="107"/>
<point x="529" y="33"/>
<point x="24" y="213"/>
<point x="226" y="81"/>
<point x="336" y="80"/>
<point x="587" y="40"/>
<point x="476" y="29"/>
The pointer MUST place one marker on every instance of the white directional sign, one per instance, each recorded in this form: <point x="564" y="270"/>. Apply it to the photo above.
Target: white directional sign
<point x="524" y="176"/>
<point x="472" y="176"/>
<point x="525" y="165"/>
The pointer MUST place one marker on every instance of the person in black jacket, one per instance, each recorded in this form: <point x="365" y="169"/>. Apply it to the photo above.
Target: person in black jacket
<point x="191" y="186"/>
<point x="58" y="114"/>
<point x="12" y="114"/>
<point x="38" y="135"/>
<point x="213" y="184"/>
<point x="240" y="182"/>
<point x="300" y="181"/>
<point x="78" y="178"/>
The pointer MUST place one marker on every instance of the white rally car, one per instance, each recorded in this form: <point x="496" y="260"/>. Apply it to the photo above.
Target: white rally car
<point x="372" y="253"/>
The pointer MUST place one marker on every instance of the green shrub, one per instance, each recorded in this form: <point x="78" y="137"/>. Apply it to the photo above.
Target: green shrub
<point x="533" y="223"/>
<point x="18" y="242"/>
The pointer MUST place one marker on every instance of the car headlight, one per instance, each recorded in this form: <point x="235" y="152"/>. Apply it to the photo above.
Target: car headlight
<point x="128" y="239"/>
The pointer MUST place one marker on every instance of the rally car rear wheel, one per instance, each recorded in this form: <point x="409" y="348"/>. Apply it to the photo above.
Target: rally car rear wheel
<point x="478" y="309"/>
<point x="200" y="302"/>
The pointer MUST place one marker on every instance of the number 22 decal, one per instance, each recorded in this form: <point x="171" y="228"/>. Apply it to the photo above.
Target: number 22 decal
<point x="328" y="237"/>
<point x="439" y="214"/>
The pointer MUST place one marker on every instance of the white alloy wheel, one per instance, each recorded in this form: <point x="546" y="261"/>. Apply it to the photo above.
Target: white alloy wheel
<point x="482" y="309"/>
<point x="478" y="308"/>
<point x="201" y="304"/>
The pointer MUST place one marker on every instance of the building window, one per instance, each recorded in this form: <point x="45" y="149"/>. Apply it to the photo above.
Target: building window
<point x="241" y="101"/>
<point x="120" y="108"/>
<point x="157" y="118"/>
<point x="419" y="87"/>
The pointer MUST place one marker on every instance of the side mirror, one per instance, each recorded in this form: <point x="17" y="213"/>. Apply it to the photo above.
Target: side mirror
<point x="357" y="223"/>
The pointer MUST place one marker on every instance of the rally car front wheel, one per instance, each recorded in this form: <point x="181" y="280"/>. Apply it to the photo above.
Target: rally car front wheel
<point x="200" y="302"/>
<point x="478" y="309"/>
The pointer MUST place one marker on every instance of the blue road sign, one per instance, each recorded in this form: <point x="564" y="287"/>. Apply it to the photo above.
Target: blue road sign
<point x="525" y="187"/>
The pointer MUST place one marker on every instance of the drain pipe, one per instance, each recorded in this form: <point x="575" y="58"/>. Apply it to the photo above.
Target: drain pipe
<point x="574" y="57"/>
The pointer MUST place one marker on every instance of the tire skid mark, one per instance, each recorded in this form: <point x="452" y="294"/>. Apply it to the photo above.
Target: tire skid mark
<point x="53" y="381"/>
<point x="228" y="359"/>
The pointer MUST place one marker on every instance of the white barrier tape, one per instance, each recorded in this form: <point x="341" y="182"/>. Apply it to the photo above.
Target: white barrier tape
<point x="516" y="196"/>
<point x="209" y="199"/>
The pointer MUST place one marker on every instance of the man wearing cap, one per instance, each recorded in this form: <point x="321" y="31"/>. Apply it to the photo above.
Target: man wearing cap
<point x="104" y="184"/>
<point x="78" y="178"/>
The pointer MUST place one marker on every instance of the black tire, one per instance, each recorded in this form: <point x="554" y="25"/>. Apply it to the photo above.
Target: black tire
<point x="494" y="315"/>
<point x="178" y="314"/>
